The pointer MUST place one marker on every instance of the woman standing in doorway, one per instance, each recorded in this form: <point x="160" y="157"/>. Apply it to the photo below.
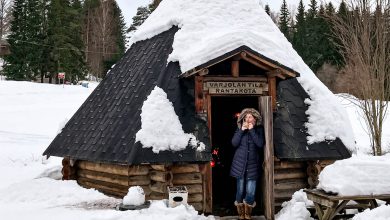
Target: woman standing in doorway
<point x="248" y="140"/>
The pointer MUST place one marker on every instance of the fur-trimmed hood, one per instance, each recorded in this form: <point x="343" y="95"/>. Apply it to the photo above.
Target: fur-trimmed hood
<point x="251" y="111"/>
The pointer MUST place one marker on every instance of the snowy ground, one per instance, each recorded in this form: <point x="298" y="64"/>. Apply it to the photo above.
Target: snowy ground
<point x="31" y="115"/>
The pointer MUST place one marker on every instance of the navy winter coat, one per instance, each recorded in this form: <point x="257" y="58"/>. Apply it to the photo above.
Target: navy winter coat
<point x="246" y="160"/>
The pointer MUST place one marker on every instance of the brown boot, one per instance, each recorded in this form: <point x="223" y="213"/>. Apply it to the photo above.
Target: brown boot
<point x="240" y="210"/>
<point x="248" y="210"/>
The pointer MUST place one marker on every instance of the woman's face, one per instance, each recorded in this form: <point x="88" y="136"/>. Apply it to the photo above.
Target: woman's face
<point x="250" y="119"/>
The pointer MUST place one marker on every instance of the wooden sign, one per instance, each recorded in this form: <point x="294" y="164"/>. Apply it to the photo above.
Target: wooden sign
<point x="245" y="88"/>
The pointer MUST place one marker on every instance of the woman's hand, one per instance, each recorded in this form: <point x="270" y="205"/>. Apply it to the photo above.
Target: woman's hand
<point x="250" y="126"/>
<point x="244" y="126"/>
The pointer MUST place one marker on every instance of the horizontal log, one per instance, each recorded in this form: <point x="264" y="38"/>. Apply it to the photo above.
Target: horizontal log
<point x="198" y="206"/>
<point x="114" y="168"/>
<point x="105" y="184"/>
<point x="120" y="180"/>
<point x="160" y="176"/>
<point x="117" y="179"/>
<point x="194" y="188"/>
<point x="111" y="193"/>
<point x="159" y="167"/>
<point x="288" y="165"/>
<point x="187" y="178"/>
<point x="198" y="197"/>
<point x="284" y="194"/>
<point x="157" y="196"/>
<point x="289" y="174"/>
<point x="159" y="187"/>
<point x="185" y="168"/>
<point x="112" y="186"/>
<point x="300" y="184"/>
<point x="139" y="180"/>
<point x="99" y="187"/>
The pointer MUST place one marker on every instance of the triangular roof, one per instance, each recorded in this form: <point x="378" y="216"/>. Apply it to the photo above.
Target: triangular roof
<point x="104" y="127"/>
<point x="211" y="29"/>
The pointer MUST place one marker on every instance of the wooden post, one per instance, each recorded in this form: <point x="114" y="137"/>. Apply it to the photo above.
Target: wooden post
<point x="205" y="169"/>
<point x="269" y="201"/>
<point x="199" y="94"/>
<point x="272" y="91"/>
<point x="235" y="68"/>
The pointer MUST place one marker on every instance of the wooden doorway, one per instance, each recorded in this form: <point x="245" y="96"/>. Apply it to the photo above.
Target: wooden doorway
<point x="223" y="125"/>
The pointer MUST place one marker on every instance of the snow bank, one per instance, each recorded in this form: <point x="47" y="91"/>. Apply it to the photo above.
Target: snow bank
<point x="295" y="208"/>
<point x="209" y="29"/>
<point x="359" y="175"/>
<point x="161" y="128"/>
<point x="30" y="115"/>
<point x="380" y="213"/>
<point x="44" y="198"/>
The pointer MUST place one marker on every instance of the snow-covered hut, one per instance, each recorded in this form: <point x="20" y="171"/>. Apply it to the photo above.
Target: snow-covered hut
<point x="211" y="59"/>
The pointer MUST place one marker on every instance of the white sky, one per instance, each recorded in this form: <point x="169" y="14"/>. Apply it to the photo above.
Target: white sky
<point x="129" y="7"/>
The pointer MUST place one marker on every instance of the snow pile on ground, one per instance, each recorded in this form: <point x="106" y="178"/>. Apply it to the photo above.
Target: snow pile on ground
<point x="45" y="198"/>
<point x="161" y="128"/>
<point x="135" y="196"/>
<point x="209" y="29"/>
<point x="295" y="208"/>
<point x="30" y="115"/>
<point x="380" y="213"/>
<point x="358" y="175"/>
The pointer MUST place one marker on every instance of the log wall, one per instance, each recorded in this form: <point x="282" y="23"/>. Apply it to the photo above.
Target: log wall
<point x="289" y="177"/>
<point x="115" y="180"/>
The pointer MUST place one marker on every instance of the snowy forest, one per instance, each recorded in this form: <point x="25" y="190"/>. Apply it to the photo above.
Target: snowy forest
<point x="80" y="38"/>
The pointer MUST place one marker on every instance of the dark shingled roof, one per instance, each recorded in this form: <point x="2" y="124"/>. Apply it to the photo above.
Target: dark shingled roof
<point x="104" y="127"/>
<point x="290" y="132"/>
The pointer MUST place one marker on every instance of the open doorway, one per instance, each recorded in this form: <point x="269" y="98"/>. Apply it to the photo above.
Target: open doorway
<point x="223" y="124"/>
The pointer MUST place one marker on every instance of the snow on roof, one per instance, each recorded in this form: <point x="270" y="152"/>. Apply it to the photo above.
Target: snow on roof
<point x="161" y="128"/>
<point x="209" y="29"/>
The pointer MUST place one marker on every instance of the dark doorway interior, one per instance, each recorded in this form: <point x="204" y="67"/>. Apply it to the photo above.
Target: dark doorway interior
<point x="223" y="124"/>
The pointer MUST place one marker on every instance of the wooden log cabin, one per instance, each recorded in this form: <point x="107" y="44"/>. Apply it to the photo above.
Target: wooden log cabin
<point x="98" y="143"/>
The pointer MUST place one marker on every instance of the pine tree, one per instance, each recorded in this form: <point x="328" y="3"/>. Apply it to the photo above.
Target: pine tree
<point x="267" y="9"/>
<point x="333" y="54"/>
<point x="15" y="67"/>
<point x="64" y="34"/>
<point x="76" y="66"/>
<point x="142" y="14"/>
<point x="26" y="41"/>
<point x="284" y="20"/>
<point x="314" y="34"/>
<point x="300" y="35"/>
<point x="343" y="10"/>
<point x="36" y="36"/>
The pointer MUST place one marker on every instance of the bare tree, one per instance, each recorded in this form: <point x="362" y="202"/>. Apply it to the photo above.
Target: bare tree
<point x="364" y="39"/>
<point x="100" y="35"/>
<point x="5" y="18"/>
